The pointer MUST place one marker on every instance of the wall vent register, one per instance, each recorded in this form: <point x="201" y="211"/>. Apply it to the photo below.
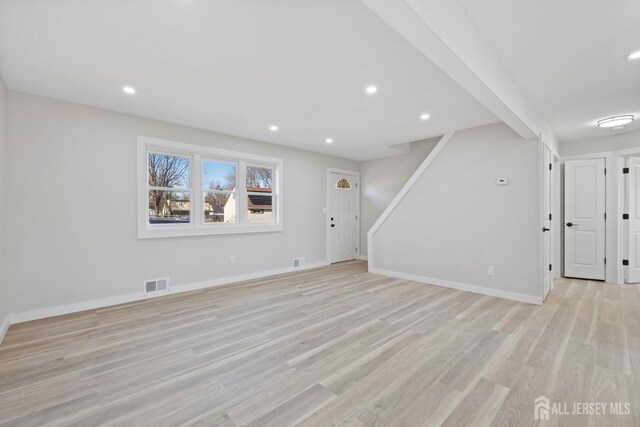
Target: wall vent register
<point x="156" y="286"/>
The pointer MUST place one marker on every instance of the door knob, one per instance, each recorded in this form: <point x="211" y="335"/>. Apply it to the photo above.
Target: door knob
<point x="571" y="224"/>
<point x="333" y="225"/>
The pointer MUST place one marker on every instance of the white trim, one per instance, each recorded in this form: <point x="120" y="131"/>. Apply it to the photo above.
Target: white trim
<point x="196" y="227"/>
<point x="329" y="182"/>
<point x="244" y="277"/>
<point x="514" y="296"/>
<point x="541" y="197"/>
<point x="26" y="316"/>
<point x="363" y="258"/>
<point x="621" y="230"/>
<point x="4" y="328"/>
<point x="405" y="189"/>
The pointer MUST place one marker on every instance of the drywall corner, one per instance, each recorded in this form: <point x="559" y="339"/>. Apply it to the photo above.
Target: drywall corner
<point x="4" y="291"/>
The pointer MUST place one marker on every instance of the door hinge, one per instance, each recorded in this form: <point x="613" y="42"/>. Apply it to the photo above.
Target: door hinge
<point x="549" y="217"/>
<point x="549" y="267"/>
<point x="605" y="215"/>
<point x="625" y="170"/>
<point x="605" y="171"/>
<point x="625" y="216"/>
<point x="550" y="166"/>
<point x="605" y="260"/>
<point x="625" y="262"/>
<point x="356" y="217"/>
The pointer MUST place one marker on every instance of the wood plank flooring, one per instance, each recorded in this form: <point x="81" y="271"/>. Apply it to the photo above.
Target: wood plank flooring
<point x="325" y="347"/>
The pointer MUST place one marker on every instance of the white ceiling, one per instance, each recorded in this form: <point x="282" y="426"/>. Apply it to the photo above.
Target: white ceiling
<point x="237" y="67"/>
<point x="568" y="56"/>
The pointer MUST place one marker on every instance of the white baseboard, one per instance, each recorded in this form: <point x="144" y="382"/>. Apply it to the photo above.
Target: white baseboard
<point x="121" y="299"/>
<point x="243" y="277"/>
<point x="4" y="327"/>
<point x="514" y="296"/>
<point x="363" y="257"/>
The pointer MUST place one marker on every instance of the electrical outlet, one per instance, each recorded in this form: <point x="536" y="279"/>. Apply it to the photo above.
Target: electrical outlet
<point x="232" y="259"/>
<point x="491" y="271"/>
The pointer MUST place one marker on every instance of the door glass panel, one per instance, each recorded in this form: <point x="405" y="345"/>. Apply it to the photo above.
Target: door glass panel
<point x="343" y="184"/>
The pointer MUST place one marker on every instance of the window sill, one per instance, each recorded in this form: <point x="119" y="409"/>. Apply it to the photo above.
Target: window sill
<point x="178" y="231"/>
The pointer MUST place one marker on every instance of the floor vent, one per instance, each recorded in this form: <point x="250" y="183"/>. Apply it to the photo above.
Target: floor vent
<point x="298" y="262"/>
<point x="156" y="285"/>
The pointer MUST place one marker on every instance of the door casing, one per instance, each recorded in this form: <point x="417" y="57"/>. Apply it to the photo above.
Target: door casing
<point x="547" y="223"/>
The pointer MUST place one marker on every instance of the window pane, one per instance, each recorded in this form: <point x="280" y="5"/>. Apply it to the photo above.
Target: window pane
<point x="219" y="207"/>
<point x="343" y="184"/>
<point x="259" y="179"/>
<point x="169" y="207"/>
<point x="168" y="171"/>
<point x="218" y="175"/>
<point x="260" y="208"/>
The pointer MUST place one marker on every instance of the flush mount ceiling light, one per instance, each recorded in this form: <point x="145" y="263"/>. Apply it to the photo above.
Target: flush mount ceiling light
<point x="615" y="121"/>
<point x="634" y="55"/>
<point x="371" y="89"/>
<point x="424" y="116"/>
<point x="273" y="128"/>
<point x="129" y="90"/>
<point x="329" y="140"/>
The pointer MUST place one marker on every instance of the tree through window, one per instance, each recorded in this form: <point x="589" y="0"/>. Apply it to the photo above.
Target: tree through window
<point x="169" y="195"/>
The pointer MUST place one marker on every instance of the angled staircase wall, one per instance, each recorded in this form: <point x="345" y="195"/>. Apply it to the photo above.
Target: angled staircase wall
<point x="451" y="221"/>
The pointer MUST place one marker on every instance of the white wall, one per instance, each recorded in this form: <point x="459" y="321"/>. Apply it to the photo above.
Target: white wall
<point x="72" y="191"/>
<point x="4" y="305"/>
<point x="621" y="141"/>
<point x="381" y="180"/>
<point x="455" y="221"/>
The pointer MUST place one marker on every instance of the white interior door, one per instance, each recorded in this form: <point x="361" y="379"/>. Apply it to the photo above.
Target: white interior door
<point x="633" y="226"/>
<point x="343" y="217"/>
<point x="584" y="216"/>
<point x="547" y="276"/>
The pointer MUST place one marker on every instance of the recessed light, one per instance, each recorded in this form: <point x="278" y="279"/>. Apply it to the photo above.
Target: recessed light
<point x="273" y="128"/>
<point x="329" y="140"/>
<point x="129" y="90"/>
<point x="371" y="89"/>
<point x="634" y="55"/>
<point x="615" y="121"/>
<point x="424" y="116"/>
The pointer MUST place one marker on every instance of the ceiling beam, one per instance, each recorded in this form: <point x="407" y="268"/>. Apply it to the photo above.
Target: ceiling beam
<point x="441" y="30"/>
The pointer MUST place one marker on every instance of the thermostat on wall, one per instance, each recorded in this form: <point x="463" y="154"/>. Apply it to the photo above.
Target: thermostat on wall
<point x="502" y="181"/>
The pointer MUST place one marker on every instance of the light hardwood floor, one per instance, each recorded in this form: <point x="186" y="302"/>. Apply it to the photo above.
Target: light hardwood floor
<point x="331" y="346"/>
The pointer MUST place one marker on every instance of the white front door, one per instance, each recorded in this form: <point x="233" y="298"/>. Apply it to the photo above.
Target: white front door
<point x="343" y="217"/>
<point x="584" y="216"/>
<point x="633" y="226"/>
<point x="546" y="221"/>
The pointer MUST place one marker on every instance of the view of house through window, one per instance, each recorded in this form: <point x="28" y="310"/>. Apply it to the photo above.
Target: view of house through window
<point x="259" y="194"/>
<point x="190" y="190"/>
<point x="219" y="185"/>
<point x="169" y="192"/>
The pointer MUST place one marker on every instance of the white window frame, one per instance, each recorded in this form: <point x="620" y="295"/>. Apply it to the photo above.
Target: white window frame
<point x="197" y="154"/>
